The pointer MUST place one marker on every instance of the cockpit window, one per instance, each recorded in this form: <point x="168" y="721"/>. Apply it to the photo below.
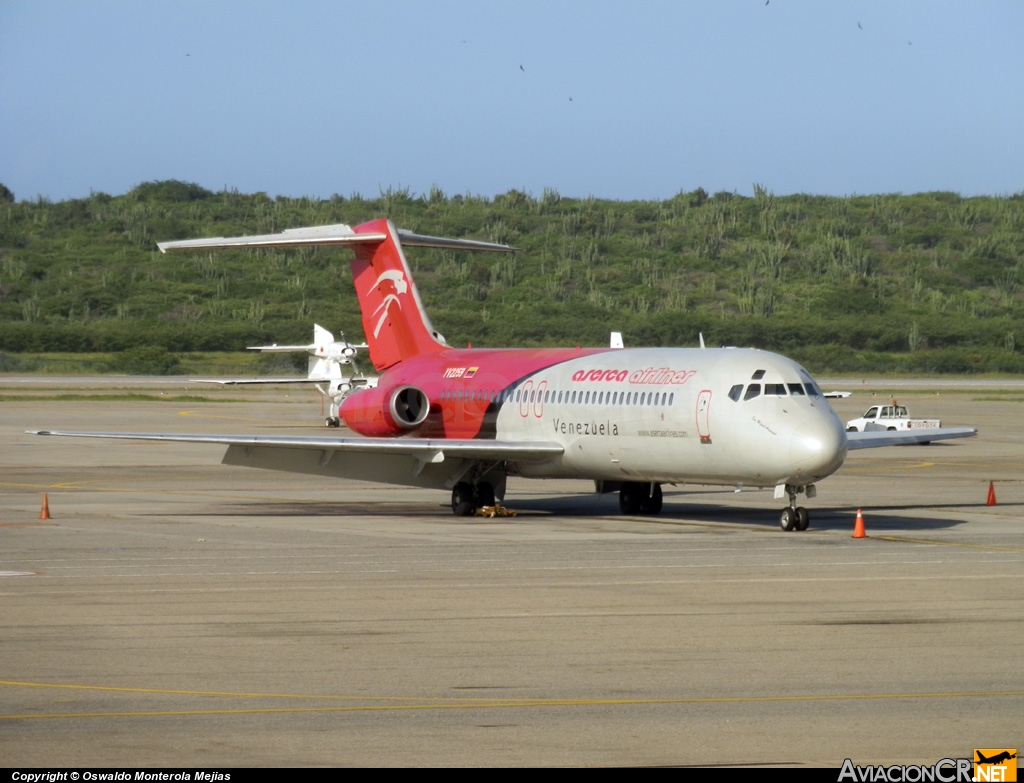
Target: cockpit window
<point x="795" y="389"/>
<point x="735" y="392"/>
<point x="778" y="389"/>
<point x="812" y="390"/>
<point x="753" y="390"/>
<point x="757" y="375"/>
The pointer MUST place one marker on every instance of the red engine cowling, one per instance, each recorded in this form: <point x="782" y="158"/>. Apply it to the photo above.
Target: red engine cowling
<point x="385" y="411"/>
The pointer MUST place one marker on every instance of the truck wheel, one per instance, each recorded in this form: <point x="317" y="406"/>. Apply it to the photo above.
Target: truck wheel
<point x="851" y="429"/>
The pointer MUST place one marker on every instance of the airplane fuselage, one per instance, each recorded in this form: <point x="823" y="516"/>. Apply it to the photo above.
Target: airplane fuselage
<point x="717" y="416"/>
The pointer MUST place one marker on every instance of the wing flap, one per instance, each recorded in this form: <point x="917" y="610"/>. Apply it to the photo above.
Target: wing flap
<point x="878" y="438"/>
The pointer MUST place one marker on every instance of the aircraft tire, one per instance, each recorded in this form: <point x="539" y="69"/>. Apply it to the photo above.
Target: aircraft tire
<point x="484" y="494"/>
<point x="630" y="498"/>
<point x="788" y="520"/>
<point x="332" y="422"/>
<point x="462" y="500"/>
<point x="652" y="505"/>
<point x="803" y="518"/>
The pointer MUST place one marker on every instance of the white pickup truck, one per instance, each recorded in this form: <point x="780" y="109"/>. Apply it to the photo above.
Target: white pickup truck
<point x="889" y="417"/>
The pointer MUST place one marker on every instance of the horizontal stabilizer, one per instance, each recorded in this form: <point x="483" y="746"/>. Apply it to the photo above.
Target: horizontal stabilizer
<point x="877" y="438"/>
<point x="337" y="234"/>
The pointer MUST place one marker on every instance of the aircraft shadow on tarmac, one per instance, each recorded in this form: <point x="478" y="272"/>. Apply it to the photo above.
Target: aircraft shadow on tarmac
<point x="591" y="506"/>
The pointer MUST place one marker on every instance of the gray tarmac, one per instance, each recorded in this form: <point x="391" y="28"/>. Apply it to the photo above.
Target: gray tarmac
<point x="178" y="612"/>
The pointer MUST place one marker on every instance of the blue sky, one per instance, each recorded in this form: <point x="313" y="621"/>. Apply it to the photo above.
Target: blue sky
<point x="617" y="100"/>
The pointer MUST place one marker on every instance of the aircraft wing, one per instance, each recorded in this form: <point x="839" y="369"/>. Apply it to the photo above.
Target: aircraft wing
<point x="428" y="450"/>
<point x="876" y="438"/>
<point x="281" y="348"/>
<point x="237" y="381"/>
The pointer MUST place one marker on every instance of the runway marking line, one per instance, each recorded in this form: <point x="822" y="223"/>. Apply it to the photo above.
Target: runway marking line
<point x="993" y="547"/>
<point x="446" y="703"/>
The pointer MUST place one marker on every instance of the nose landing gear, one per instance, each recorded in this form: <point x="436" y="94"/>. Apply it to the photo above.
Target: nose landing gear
<point x="795" y="517"/>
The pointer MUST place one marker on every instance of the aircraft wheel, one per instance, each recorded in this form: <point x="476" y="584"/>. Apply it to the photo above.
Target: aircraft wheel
<point x="788" y="520"/>
<point x="630" y="498"/>
<point x="652" y="505"/>
<point x="462" y="500"/>
<point x="484" y="494"/>
<point x="330" y="421"/>
<point x="803" y="518"/>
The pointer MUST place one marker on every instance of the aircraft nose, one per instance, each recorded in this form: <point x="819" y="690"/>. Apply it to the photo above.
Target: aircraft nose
<point x="818" y="448"/>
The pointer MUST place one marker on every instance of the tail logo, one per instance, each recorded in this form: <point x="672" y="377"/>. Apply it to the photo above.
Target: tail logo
<point x="397" y="279"/>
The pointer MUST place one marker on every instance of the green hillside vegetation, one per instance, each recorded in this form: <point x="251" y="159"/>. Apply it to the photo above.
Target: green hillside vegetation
<point x="923" y="283"/>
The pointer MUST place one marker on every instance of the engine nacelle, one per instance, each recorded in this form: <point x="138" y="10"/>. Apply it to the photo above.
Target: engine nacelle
<point x="379" y="412"/>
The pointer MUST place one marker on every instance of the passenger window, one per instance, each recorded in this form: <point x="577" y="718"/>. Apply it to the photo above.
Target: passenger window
<point x="753" y="390"/>
<point x="795" y="389"/>
<point x="735" y="392"/>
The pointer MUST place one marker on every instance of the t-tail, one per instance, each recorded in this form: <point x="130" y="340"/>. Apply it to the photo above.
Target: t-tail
<point x="395" y="322"/>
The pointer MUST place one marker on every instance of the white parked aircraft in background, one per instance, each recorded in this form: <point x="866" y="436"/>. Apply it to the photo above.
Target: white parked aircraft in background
<point x="629" y="419"/>
<point x="328" y="359"/>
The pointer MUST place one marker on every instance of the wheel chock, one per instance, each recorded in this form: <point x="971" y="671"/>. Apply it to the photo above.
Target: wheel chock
<point x="858" y="526"/>
<point x="497" y="510"/>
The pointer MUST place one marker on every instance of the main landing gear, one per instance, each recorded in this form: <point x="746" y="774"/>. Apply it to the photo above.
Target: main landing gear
<point x="467" y="498"/>
<point x="795" y="517"/>
<point x="637" y="498"/>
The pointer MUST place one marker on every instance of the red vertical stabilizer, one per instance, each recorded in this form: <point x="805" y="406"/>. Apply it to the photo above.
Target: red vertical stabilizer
<point x="394" y="321"/>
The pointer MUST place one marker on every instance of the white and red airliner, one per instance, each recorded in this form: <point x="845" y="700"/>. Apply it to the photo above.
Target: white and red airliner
<point x="629" y="419"/>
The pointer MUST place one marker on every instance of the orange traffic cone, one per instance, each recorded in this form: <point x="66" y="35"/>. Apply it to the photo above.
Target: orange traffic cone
<point x="44" y="512"/>
<point x="858" y="526"/>
<point x="991" y="494"/>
